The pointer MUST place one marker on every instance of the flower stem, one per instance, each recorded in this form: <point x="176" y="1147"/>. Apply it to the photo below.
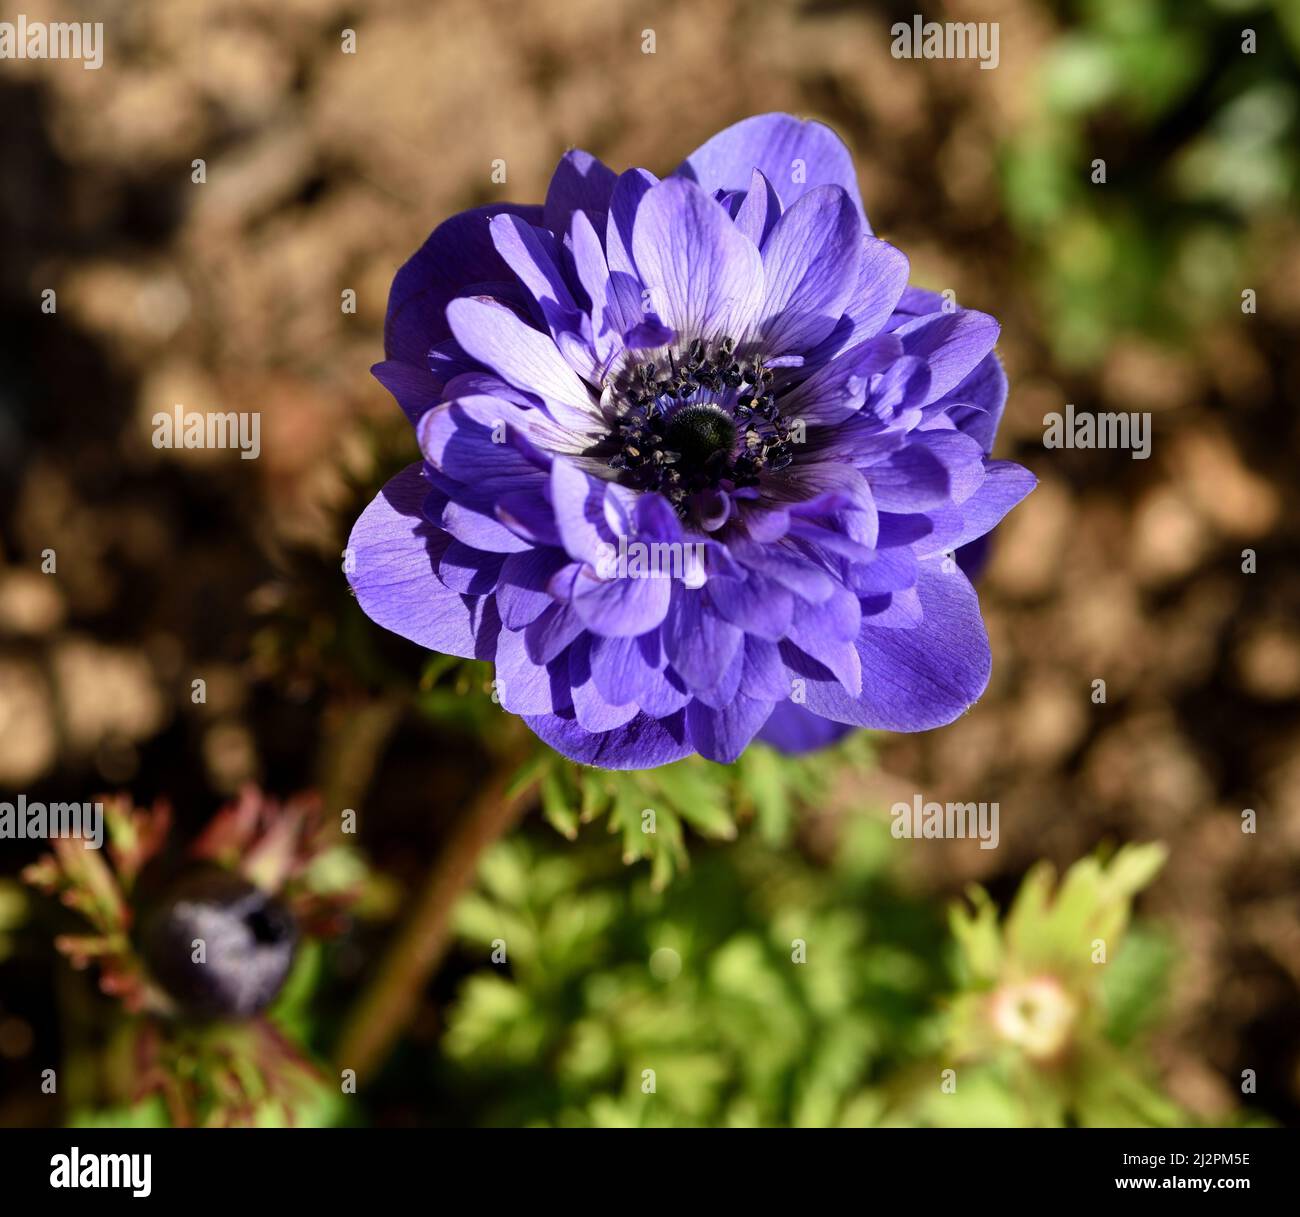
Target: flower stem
<point x="389" y="1003"/>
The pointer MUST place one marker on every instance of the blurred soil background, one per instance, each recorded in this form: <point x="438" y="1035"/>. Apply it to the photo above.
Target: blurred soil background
<point x="324" y="170"/>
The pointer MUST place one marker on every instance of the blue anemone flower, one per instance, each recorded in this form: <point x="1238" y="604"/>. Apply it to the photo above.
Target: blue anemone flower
<point x="695" y="459"/>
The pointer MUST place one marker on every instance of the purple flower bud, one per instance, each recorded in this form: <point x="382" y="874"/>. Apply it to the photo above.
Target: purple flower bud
<point x="218" y="945"/>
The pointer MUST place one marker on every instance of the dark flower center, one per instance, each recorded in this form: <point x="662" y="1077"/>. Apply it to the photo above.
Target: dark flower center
<point x="693" y="421"/>
<point x="700" y="433"/>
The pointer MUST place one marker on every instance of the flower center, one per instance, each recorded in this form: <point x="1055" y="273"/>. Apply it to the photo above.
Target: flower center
<point x="693" y="421"/>
<point x="702" y="435"/>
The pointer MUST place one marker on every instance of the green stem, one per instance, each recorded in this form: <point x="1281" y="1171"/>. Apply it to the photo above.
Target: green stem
<point x="389" y="1002"/>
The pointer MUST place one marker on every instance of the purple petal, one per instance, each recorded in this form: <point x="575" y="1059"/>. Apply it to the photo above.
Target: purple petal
<point x="528" y="515"/>
<point x="898" y="610"/>
<point x="827" y="632"/>
<point x="919" y="678"/>
<point x="896" y="398"/>
<point x="633" y="669"/>
<point x="627" y="304"/>
<point x="841" y="494"/>
<point x="985" y="392"/>
<point x="623" y="606"/>
<point x="699" y="644"/>
<point x="794" y="729"/>
<point x="580" y="182"/>
<point x="548" y="636"/>
<point x="882" y="278"/>
<point x="656" y="520"/>
<point x="756" y="604"/>
<point x="523" y="593"/>
<point x="524" y="251"/>
<point x="415" y="388"/>
<point x="835" y="392"/>
<point x="918" y="301"/>
<point x="974" y="557"/>
<point x="458" y="253"/>
<point x="643" y="743"/>
<point x="760" y="209"/>
<point x="961" y="455"/>
<point x="788" y="568"/>
<point x="623" y="667"/>
<point x="480" y="531"/>
<point x="392" y="551"/>
<point x="528" y="359"/>
<point x="810" y="269"/>
<point x="950" y="343"/>
<point x="704" y="277"/>
<point x="594" y="712"/>
<point x="723" y="734"/>
<point x="724" y="691"/>
<point x="902" y="529"/>
<point x="794" y="155"/>
<point x="583" y="507"/>
<point x="524" y="686"/>
<point x="765" y="674"/>
<point x="913" y="479"/>
<point x="472" y="571"/>
<point x="888" y="571"/>
<point x="593" y="273"/>
<point x="1005" y="484"/>
<point x="484" y="443"/>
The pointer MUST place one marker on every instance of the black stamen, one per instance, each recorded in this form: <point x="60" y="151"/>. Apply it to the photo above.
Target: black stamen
<point x="668" y="435"/>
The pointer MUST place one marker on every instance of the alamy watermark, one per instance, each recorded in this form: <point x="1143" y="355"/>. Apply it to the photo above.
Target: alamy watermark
<point x="128" y="1171"/>
<point x="23" y="39"/>
<point x="921" y="821"/>
<point x="1081" y="429"/>
<point x="24" y="821"/>
<point x="682" y="560"/>
<point x="209" y="429"/>
<point x="946" y="40"/>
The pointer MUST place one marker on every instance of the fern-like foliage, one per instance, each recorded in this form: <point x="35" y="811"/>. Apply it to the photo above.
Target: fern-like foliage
<point x="763" y="988"/>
